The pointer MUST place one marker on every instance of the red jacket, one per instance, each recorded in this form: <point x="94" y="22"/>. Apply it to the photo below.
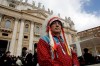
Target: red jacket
<point x="60" y="59"/>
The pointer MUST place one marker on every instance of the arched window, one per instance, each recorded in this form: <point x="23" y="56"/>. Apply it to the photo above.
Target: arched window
<point x="7" y="24"/>
<point x="26" y="28"/>
<point x="37" y="29"/>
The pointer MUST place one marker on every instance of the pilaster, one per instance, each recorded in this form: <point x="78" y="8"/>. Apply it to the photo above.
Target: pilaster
<point x="20" y="38"/>
<point x="31" y="36"/>
<point x="13" y="40"/>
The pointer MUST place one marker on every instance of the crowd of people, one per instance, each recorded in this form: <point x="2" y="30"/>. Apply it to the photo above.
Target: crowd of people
<point x="31" y="60"/>
<point x="27" y="59"/>
<point x="88" y="59"/>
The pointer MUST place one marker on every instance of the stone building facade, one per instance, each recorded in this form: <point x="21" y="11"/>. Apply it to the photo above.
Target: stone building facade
<point x="21" y="23"/>
<point x="90" y="39"/>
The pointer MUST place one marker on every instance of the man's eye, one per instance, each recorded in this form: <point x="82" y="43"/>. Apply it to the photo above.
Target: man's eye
<point x="59" y="23"/>
<point x="54" y="23"/>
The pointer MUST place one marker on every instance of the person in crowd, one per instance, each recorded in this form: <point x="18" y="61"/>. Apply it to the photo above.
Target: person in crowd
<point x="6" y="59"/>
<point x="87" y="57"/>
<point x="24" y="52"/>
<point x="97" y="59"/>
<point x="19" y="62"/>
<point x="81" y="61"/>
<point x="53" y="49"/>
<point x="13" y="59"/>
<point x="35" y="54"/>
<point x="29" y="59"/>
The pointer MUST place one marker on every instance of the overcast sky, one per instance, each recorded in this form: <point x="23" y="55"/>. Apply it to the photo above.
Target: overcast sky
<point x="84" y="13"/>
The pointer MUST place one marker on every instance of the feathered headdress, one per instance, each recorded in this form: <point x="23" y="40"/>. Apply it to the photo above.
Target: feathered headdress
<point x="48" y="30"/>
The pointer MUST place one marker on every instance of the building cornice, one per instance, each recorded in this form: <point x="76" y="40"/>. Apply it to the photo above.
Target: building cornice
<point x="19" y="14"/>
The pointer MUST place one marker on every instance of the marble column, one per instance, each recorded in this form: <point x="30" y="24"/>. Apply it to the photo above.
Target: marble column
<point x="79" y="51"/>
<point x="13" y="40"/>
<point x="94" y="49"/>
<point x="20" y="39"/>
<point x="31" y="36"/>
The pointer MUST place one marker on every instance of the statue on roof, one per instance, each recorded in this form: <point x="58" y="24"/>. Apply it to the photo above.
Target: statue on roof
<point x="51" y="11"/>
<point x="33" y="3"/>
<point x="48" y="10"/>
<point x="26" y="1"/>
<point x="21" y="0"/>
<point x="65" y="18"/>
<point x="43" y="7"/>
<point x="39" y="5"/>
<point x="59" y="14"/>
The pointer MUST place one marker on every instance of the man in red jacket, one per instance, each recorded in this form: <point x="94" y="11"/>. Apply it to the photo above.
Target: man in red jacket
<point x="52" y="49"/>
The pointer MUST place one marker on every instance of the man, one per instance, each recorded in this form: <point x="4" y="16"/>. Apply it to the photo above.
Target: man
<point x="52" y="49"/>
<point x="29" y="58"/>
<point x="88" y="57"/>
<point x="35" y="54"/>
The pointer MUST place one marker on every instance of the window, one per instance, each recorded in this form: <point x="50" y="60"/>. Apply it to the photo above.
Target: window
<point x="11" y="5"/>
<point x="4" y="34"/>
<point x="26" y="37"/>
<point x="26" y="28"/>
<point x="7" y="24"/>
<point x="37" y="29"/>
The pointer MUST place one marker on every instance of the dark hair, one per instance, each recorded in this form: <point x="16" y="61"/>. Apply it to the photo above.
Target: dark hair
<point x="58" y="22"/>
<point x="85" y="49"/>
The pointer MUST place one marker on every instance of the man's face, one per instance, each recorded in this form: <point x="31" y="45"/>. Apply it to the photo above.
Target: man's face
<point x="56" y="27"/>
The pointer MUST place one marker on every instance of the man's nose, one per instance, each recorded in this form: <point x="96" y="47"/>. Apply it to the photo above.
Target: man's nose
<point x="57" y="24"/>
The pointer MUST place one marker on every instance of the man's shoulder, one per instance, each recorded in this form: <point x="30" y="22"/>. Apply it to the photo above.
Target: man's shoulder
<point x="46" y="38"/>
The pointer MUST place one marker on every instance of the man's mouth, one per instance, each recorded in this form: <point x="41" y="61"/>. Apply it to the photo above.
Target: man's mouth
<point x="57" y="28"/>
